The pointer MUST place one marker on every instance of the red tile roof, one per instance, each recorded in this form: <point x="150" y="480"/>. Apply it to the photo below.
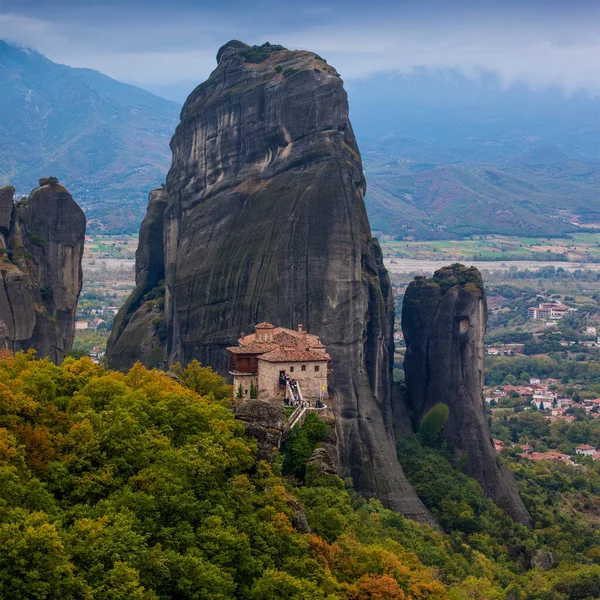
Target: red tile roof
<point x="294" y="355"/>
<point x="264" y="325"/>
<point x="254" y="348"/>
<point x="282" y="335"/>
<point x="548" y="456"/>
<point x="286" y="339"/>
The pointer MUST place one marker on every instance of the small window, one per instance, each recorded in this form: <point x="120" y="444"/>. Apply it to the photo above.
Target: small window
<point x="316" y="368"/>
<point x="303" y="368"/>
<point x="291" y="369"/>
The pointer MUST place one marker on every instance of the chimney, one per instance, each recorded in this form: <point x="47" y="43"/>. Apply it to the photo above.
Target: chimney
<point x="242" y="336"/>
<point x="300" y="327"/>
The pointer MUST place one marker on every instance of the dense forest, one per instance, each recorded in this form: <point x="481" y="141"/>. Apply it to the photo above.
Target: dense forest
<point x="144" y="486"/>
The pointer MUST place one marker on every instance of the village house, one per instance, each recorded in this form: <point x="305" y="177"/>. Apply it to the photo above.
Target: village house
<point x="548" y="310"/>
<point x="545" y="399"/>
<point x="267" y="359"/>
<point x="96" y="354"/>
<point x="512" y="349"/>
<point x="585" y="449"/>
<point x="591" y="404"/>
<point x="95" y="323"/>
<point x="525" y="392"/>
<point x="556" y="457"/>
<point x="499" y="445"/>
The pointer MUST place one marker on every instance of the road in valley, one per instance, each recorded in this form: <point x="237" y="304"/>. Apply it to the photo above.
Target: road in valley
<point x="407" y="265"/>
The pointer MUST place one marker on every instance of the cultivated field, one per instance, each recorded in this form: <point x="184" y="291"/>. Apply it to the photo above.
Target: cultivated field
<point x="578" y="248"/>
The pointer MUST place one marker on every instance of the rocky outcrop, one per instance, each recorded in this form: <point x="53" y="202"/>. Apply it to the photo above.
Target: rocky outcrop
<point x="444" y="320"/>
<point x="263" y="422"/>
<point x="265" y="221"/>
<point x="41" y="247"/>
<point x="542" y="559"/>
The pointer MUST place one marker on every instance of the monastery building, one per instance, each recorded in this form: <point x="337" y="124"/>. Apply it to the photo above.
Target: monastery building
<point x="271" y="357"/>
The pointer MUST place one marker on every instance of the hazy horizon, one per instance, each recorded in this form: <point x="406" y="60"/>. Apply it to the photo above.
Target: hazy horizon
<point x="168" y="48"/>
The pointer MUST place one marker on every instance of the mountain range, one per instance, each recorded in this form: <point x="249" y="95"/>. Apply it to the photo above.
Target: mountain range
<point x="447" y="156"/>
<point x="444" y="155"/>
<point x="108" y="141"/>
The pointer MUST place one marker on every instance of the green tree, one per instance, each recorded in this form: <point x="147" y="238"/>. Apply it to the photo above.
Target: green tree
<point x="202" y="380"/>
<point x="432" y="424"/>
<point x="33" y="562"/>
<point x="253" y="391"/>
<point x="302" y="443"/>
<point x="278" y="585"/>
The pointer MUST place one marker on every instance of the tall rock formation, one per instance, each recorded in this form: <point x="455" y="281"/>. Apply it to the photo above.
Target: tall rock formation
<point x="139" y="331"/>
<point x="264" y="220"/>
<point x="41" y="247"/>
<point x="444" y="320"/>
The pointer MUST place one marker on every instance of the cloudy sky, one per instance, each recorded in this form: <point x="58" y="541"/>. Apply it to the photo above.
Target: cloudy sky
<point x="167" y="45"/>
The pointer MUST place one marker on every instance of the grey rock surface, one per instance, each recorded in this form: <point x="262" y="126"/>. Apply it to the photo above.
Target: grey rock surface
<point x="263" y="422"/>
<point x="6" y="207"/>
<point x="40" y="272"/>
<point x="444" y="320"/>
<point x="542" y="559"/>
<point x="141" y="341"/>
<point x="299" y="520"/>
<point x="266" y="221"/>
<point x="323" y="461"/>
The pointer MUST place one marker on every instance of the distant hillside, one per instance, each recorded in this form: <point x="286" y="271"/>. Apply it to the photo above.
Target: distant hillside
<point x="445" y="157"/>
<point x="107" y="141"/>
<point x="425" y="201"/>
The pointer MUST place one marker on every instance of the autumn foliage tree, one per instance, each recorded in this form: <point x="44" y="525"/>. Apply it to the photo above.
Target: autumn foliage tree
<point x="143" y="486"/>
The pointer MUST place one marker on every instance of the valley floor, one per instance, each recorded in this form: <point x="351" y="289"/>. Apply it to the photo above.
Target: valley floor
<point x="576" y="248"/>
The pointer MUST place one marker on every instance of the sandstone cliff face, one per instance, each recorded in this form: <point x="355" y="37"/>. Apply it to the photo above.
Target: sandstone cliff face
<point x="41" y="247"/>
<point x="265" y="221"/>
<point x="142" y="316"/>
<point x="444" y="320"/>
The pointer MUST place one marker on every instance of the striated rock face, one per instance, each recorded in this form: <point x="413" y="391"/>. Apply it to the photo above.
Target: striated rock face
<point x="265" y="221"/>
<point x="41" y="246"/>
<point x="443" y="320"/>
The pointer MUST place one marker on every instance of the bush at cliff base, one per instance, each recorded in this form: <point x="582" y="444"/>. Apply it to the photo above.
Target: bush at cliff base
<point x="137" y="486"/>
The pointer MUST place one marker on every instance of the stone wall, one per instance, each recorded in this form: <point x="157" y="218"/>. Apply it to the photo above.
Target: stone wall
<point x="245" y="379"/>
<point x="268" y="379"/>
